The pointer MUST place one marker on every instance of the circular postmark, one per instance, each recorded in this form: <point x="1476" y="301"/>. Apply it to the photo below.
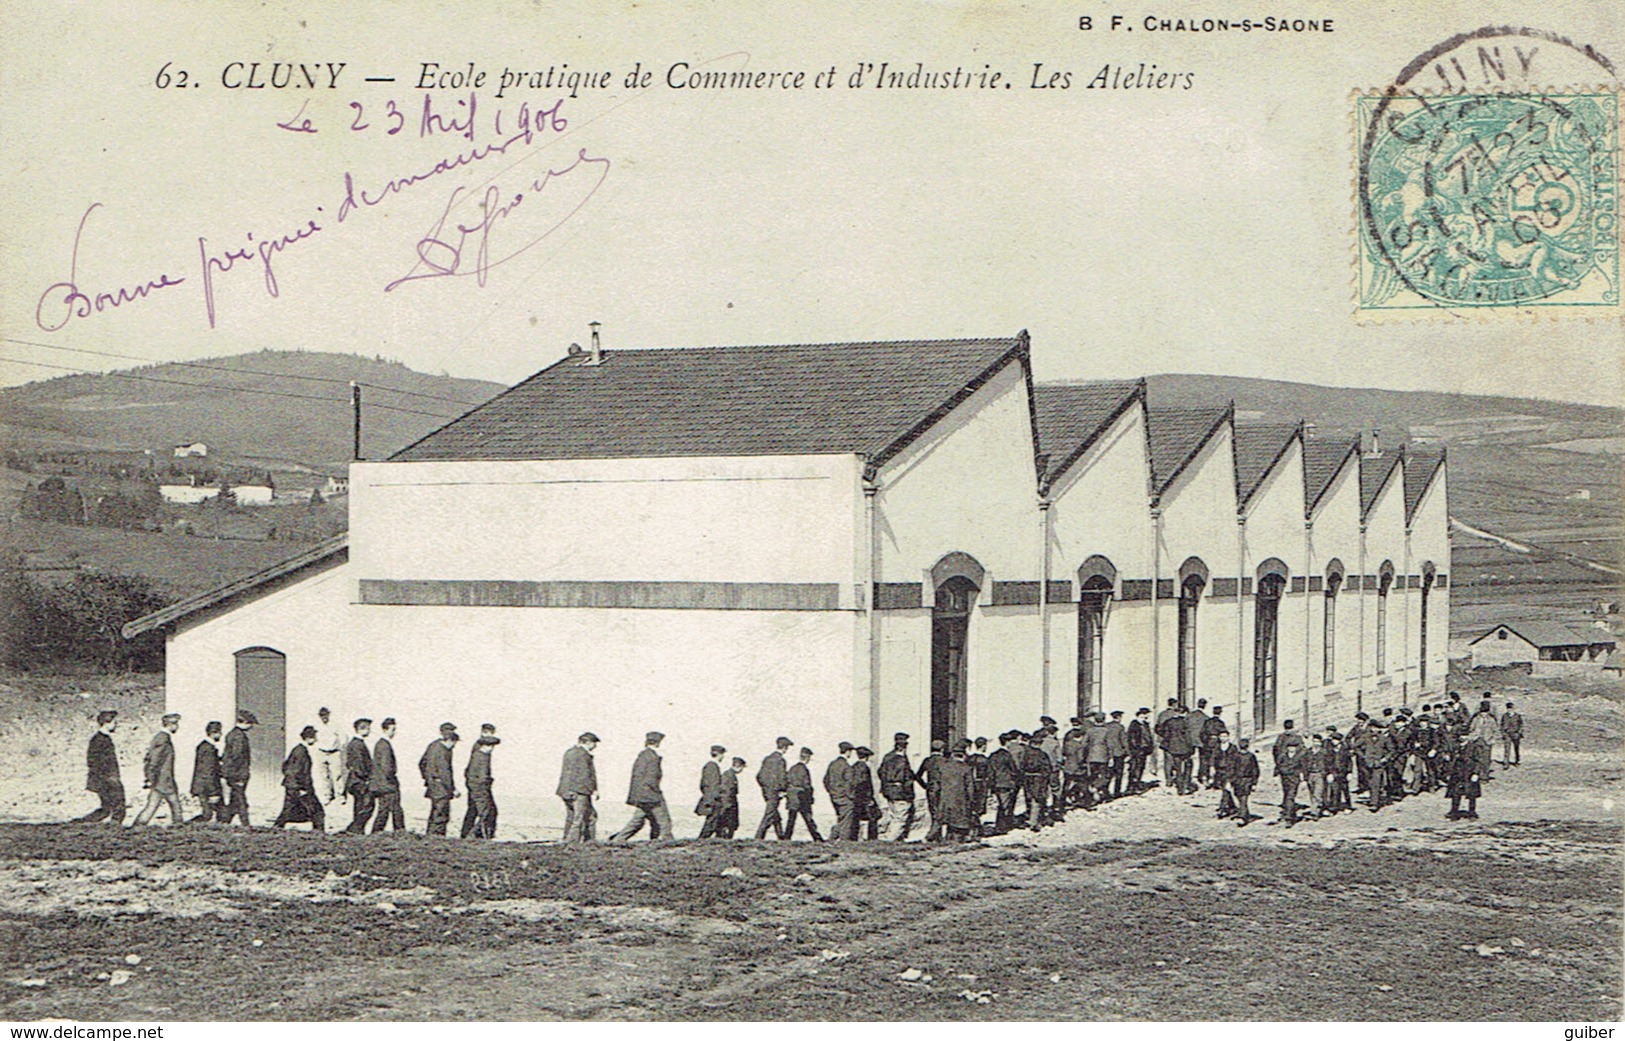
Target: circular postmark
<point x="1489" y="194"/>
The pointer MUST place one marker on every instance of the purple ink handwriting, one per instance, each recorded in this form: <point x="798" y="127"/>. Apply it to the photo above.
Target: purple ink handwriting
<point x="64" y="301"/>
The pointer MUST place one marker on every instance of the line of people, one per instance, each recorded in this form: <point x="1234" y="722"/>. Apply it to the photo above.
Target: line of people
<point x="340" y="771"/>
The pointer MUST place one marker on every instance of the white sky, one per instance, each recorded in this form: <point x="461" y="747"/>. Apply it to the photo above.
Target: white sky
<point x="1132" y="232"/>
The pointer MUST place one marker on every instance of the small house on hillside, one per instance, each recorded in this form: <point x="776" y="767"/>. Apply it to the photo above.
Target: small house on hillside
<point x="1534" y="642"/>
<point x="196" y="449"/>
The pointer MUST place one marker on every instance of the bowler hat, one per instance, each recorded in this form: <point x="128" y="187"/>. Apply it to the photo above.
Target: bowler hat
<point x="846" y="746"/>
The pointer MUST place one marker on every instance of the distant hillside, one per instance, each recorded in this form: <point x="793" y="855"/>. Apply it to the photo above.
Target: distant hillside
<point x="219" y="405"/>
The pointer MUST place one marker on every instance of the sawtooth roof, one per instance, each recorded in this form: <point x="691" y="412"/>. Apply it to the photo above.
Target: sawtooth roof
<point x="1374" y="472"/>
<point x="1176" y="436"/>
<point x="1322" y="462"/>
<point x="871" y="399"/>
<point x="1071" y="416"/>
<point x="1259" y="446"/>
<point x="1420" y="466"/>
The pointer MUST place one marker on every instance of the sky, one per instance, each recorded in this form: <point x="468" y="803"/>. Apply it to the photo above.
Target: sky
<point x="1208" y="225"/>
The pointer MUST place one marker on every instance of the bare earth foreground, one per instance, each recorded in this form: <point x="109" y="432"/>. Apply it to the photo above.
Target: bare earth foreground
<point x="1149" y="909"/>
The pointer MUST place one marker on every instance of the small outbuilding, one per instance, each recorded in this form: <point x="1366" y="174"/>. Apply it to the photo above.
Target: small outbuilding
<point x="1520" y="642"/>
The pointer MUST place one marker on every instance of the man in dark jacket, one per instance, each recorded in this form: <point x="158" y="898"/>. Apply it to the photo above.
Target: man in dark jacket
<point x="1195" y="720"/>
<point x="865" y="808"/>
<point x="439" y="780"/>
<point x="578" y="787"/>
<point x="206" y="776"/>
<point x="728" y="799"/>
<point x="1242" y="776"/>
<point x="1213" y="728"/>
<point x="1036" y="781"/>
<point x="1224" y="764"/>
<point x="1075" y="768"/>
<point x="773" y="779"/>
<point x="1291" y="760"/>
<point x="798" y="797"/>
<point x="930" y="778"/>
<point x="1177" y="749"/>
<point x="1337" y="771"/>
<point x="982" y="776"/>
<point x="897" y="780"/>
<point x="838" y="783"/>
<point x="1375" y="751"/>
<point x="644" y="795"/>
<point x="158" y="773"/>
<point x="480" y="819"/>
<point x="956" y="795"/>
<point x="299" y="802"/>
<point x="710" y="805"/>
<point x="1117" y="750"/>
<point x="1142" y="745"/>
<point x="1511" y="737"/>
<point x="1098" y="754"/>
<point x="1004" y="775"/>
<point x="236" y="764"/>
<point x="385" y="781"/>
<point x="358" y="777"/>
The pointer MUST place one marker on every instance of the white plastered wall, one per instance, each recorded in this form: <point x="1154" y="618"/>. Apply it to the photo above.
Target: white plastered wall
<point x="1274" y="528"/>
<point x="1336" y="536"/>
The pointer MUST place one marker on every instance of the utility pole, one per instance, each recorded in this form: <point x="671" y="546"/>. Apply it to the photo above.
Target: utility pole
<point x="355" y="420"/>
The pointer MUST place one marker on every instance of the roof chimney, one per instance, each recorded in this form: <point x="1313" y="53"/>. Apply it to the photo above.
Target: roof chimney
<point x="595" y="356"/>
<point x="1376" y="441"/>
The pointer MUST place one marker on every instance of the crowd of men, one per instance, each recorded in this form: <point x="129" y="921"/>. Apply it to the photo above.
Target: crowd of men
<point x="1390" y="756"/>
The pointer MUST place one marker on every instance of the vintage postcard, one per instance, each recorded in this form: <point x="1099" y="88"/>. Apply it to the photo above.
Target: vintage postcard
<point x="811" y="512"/>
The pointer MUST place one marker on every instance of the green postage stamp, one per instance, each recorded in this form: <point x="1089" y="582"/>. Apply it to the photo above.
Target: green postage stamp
<point x="1488" y="204"/>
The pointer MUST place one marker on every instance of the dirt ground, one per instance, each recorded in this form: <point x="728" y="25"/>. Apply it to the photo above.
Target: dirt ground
<point x="1149" y="909"/>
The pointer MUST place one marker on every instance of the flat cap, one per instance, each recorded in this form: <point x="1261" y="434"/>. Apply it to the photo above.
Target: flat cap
<point x="652" y="736"/>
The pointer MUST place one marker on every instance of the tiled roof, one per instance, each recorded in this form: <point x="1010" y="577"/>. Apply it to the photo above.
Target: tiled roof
<point x="1072" y="415"/>
<point x="1374" y="471"/>
<point x="865" y="398"/>
<point x="1547" y="634"/>
<point x="1420" y="466"/>
<point x="324" y="554"/>
<point x="1177" y="435"/>
<point x="1322" y="462"/>
<point x="1259" y="446"/>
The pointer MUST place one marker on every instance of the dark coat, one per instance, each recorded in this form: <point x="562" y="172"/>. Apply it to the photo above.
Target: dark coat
<point x="478" y="771"/>
<point x="296" y="770"/>
<point x="206" y="771"/>
<point x="956" y="801"/>
<point x="1035" y="765"/>
<point x="1511" y="724"/>
<point x="579" y="775"/>
<point x="1375" y="746"/>
<point x="1462" y="780"/>
<point x="771" y="778"/>
<point x="863" y="790"/>
<point x="1291" y="755"/>
<point x="896" y="776"/>
<point x="1243" y="771"/>
<point x="385" y="778"/>
<point x="1163" y="717"/>
<point x="800" y="792"/>
<point x="1140" y="738"/>
<point x="159" y="767"/>
<point x="728" y="794"/>
<point x="1073" y="747"/>
<point x="710" y="782"/>
<point x="1095" y="748"/>
<point x="357" y="765"/>
<point x="1116" y="740"/>
<point x="1003" y="772"/>
<point x="838" y="780"/>
<point x="930" y="774"/>
<point x="101" y="762"/>
<point x="439" y="782"/>
<point x="1213" y="728"/>
<point x="235" y="761"/>
<point x="1176" y="736"/>
<point x="645" y="787"/>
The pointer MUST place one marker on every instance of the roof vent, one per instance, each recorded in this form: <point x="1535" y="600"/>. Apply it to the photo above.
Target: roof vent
<point x="595" y="356"/>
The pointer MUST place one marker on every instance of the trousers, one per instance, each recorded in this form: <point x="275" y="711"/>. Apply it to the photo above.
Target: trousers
<point x="899" y="816"/>
<point x="363" y="801"/>
<point x="439" y="816"/>
<point x="580" y="819"/>
<point x="389" y="812"/>
<point x="798" y="808"/>
<point x="301" y="806"/>
<point x="657" y="817"/>
<point x="480" y="820"/>
<point x="236" y="802"/>
<point x="771" y="818"/>
<point x="111" y="794"/>
<point x="155" y="799"/>
<point x="846" y="820"/>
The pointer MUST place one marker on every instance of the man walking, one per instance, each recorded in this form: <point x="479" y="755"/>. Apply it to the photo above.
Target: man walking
<point x="897" y="780"/>
<point x="1177" y="749"/>
<point x="1213" y="728"/>
<point x="865" y="810"/>
<point x="710" y="804"/>
<point x="773" y="780"/>
<point x="439" y="780"/>
<point x="1117" y="750"/>
<point x="329" y="758"/>
<point x="578" y="787"/>
<point x="101" y="772"/>
<point x="728" y="799"/>
<point x="1195" y="720"/>
<point x="1004" y="775"/>
<point x="955" y="799"/>
<point x="1290" y="760"/>
<point x="1097" y="754"/>
<point x="1337" y="771"/>
<point x="236" y="764"/>
<point x="206" y="776"/>
<point x="158" y="772"/>
<point x="1374" y="751"/>
<point x="385" y="782"/>
<point x="480" y="819"/>
<point x="299" y="802"/>
<point x="1243" y="776"/>
<point x="930" y="778"/>
<point x="1142" y="744"/>
<point x="1481" y="735"/>
<point x="644" y="795"/>
<point x="838" y="783"/>
<point x="1075" y="768"/>
<point x="798" y="797"/>
<point x="358" y="777"/>
<point x="1511" y="737"/>
<point x="1035" y="779"/>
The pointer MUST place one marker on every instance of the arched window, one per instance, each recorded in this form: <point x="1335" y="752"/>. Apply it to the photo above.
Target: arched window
<point x="1428" y="573"/>
<point x="1267" y="641"/>
<point x="1384" y="583"/>
<point x="1190" y="596"/>
<point x="1328" y="640"/>
<point x="1094" y="602"/>
<point x="958" y="579"/>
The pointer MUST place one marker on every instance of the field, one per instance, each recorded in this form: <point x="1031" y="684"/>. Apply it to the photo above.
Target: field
<point x="1149" y="909"/>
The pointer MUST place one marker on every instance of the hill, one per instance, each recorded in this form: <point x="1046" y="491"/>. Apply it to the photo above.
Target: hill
<point x="274" y="406"/>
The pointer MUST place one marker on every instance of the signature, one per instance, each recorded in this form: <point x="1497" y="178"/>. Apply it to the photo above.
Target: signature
<point x="445" y="253"/>
<point x="64" y="301"/>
